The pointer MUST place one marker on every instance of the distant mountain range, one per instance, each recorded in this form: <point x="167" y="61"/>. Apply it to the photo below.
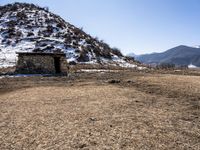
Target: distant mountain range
<point x="179" y="56"/>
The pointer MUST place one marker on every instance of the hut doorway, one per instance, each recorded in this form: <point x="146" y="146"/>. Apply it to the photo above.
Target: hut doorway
<point x="57" y="64"/>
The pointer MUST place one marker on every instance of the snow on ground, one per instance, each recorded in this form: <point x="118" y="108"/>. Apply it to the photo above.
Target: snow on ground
<point x="127" y="65"/>
<point x="191" y="66"/>
<point x="8" y="55"/>
<point x="23" y="75"/>
<point x="97" y="70"/>
<point x="44" y="31"/>
<point x="141" y="68"/>
<point x="123" y="63"/>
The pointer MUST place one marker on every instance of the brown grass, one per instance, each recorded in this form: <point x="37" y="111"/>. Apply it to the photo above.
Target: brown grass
<point x="142" y="111"/>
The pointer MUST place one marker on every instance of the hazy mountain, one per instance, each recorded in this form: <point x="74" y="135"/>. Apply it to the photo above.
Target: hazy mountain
<point x="27" y="27"/>
<point x="180" y="56"/>
<point x="132" y="55"/>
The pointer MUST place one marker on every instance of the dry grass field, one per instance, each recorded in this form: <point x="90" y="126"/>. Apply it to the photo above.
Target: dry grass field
<point x="104" y="110"/>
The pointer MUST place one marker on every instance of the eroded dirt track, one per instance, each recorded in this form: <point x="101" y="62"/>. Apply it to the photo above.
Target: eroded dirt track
<point x="87" y="111"/>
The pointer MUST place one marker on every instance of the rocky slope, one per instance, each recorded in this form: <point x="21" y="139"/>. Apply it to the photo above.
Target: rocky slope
<point x="27" y="27"/>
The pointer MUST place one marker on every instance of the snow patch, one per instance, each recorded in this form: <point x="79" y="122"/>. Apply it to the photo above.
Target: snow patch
<point x="191" y="66"/>
<point x="97" y="70"/>
<point x="43" y="31"/>
<point x="23" y="75"/>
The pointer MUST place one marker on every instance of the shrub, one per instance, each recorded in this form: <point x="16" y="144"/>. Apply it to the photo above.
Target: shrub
<point x="74" y="43"/>
<point x="8" y="42"/>
<point x="68" y="39"/>
<point x="39" y="33"/>
<point x="72" y="63"/>
<point x="117" y="52"/>
<point x="97" y="52"/>
<point x="18" y="34"/>
<point x="46" y="9"/>
<point x="11" y="23"/>
<point x="106" y="54"/>
<point x="83" y="57"/>
<point x="60" y="25"/>
<point x="37" y="50"/>
<point x="14" y="7"/>
<point x="49" y="29"/>
<point x="22" y="15"/>
<point x="166" y="66"/>
<point x="11" y="32"/>
<point x="128" y="58"/>
<point x="30" y="34"/>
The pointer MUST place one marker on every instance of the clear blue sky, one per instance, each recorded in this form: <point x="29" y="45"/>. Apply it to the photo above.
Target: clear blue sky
<point x="139" y="26"/>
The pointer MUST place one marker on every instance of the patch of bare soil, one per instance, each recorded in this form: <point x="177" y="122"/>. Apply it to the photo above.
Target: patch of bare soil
<point x="121" y="110"/>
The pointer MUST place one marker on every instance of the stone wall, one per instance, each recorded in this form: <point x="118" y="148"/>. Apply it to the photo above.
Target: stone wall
<point x="64" y="65"/>
<point x="39" y="64"/>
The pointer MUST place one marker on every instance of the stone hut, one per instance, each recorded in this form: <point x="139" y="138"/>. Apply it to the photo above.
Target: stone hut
<point x="41" y="63"/>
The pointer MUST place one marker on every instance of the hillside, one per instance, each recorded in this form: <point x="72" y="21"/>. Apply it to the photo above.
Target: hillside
<point x="27" y="28"/>
<point x="180" y="56"/>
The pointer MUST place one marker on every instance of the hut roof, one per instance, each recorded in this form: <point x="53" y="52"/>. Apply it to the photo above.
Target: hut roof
<point x="40" y="53"/>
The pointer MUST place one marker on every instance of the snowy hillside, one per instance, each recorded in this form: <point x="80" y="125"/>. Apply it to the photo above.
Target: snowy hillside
<point x="26" y="28"/>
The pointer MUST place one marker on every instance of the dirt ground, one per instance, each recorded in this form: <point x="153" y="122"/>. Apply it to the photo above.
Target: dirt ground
<point x="101" y="110"/>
